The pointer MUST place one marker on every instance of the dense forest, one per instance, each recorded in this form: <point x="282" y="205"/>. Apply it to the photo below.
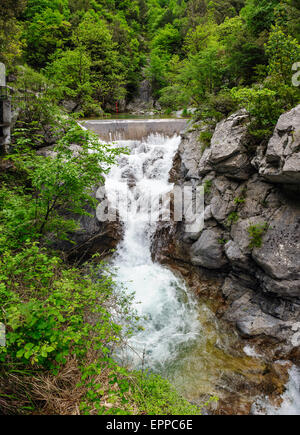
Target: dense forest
<point x="81" y="57"/>
<point x="213" y="54"/>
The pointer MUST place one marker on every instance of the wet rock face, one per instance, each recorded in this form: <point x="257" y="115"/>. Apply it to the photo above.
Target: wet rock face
<point x="282" y="159"/>
<point x="252" y="225"/>
<point x="92" y="237"/>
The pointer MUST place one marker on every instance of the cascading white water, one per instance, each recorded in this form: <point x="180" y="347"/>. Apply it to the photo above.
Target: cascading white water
<point x="290" y="399"/>
<point x="171" y="316"/>
<point x="182" y="339"/>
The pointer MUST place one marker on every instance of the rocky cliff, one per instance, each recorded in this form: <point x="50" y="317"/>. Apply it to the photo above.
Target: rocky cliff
<point x="250" y="244"/>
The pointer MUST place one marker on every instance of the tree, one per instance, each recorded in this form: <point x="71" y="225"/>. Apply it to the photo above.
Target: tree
<point x="283" y="51"/>
<point x="167" y="39"/>
<point x="38" y="6"/>
<point x="292" y="8"/>
<point x="202" y="73"/>
<point x="71" y="73"/>
<point x="10" y="31"/>
<point x="243" y="52"/>
<point x="61" y="184"/>
<point x="107" y="72"/>
<point x="47" y="32"/>
<point x="259" y="15"/>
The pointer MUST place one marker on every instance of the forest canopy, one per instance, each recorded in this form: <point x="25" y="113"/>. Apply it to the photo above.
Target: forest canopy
<point x="97" y="52"/>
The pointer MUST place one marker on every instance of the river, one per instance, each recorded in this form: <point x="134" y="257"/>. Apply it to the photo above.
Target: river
<point x="181" y="337"/>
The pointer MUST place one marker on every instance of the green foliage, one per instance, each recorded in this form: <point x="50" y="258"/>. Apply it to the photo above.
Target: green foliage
<point x="46" y="32"/>
<point x="97" y="52"/>
<point x="283" y="51"/>
<point x="44" y="309"/>
<point x="207" y="186"/>
<point x="256" y="233"/>
<point x="291" y="9"/>
<point x="34" y="7"/>
<point x="149" y="393"/>
<point x="60" y="184"/>
<point x="259" y="15"/>
<point x="238" y="201"/>
<point x="101" y="42"/>
<point x="34" y="96"/>
<point x="108" y="79"/>
<point x="262" y="105"/>
<point x="155" y="396"/>
<point x="205" y="139"/>
<point x="232" y="218"/>
<point x="166" y="39"/>
<point x="10" y="31"/>
<point x="71" y="73"/>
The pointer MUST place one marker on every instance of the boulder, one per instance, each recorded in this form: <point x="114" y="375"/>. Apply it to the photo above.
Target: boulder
<point x="279" y="255"/>
<point x="143" y="101"/>
<point x="281" y="163"/>
<point x="222" y="206"/>
<point x="250" y="320"/>
<point x="70" y="105"/>
<point x="235" y="255"/>
<point x="255" y="193"/>
<point x="281" y="288"/>
<point x="190" y="156"/>
<point x="229" y="137"/>
<point x="240" y="234"/>
<point x="238" y="167"/>
<point x="207" y="251"/>
<point x="228" y="153"/>
<point x="205" y="166"/>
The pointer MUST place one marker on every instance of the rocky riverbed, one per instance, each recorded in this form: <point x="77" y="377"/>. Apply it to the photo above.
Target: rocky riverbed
<point x="243" y="266"/>
<point x="256" y="289"/>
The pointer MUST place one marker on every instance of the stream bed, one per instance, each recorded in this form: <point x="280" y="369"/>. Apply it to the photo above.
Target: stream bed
<point x="182" y="339"/>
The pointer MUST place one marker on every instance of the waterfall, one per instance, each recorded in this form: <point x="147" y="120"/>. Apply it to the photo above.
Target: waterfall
<point x="181" y="337"/>
<point x="168" y="310"/>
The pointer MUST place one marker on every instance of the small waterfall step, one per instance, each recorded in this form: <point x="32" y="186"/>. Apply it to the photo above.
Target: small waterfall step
<point x="134" y="129"/>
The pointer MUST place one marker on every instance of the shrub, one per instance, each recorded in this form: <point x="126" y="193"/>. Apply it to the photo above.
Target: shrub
<point x="232" y="218"/>
<point x="238" y="201"/>
<point x="51" y="312"/>
<point x="262" y="105"/>
<point x="256" y="233"/>
<point x="205" y="139"/>
<point x="207" y="186"/>
<point x="59" y="184"/>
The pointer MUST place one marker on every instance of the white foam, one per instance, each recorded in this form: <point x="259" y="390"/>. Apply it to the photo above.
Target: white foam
<point x="171" y="313"/>
<point x="250" y="351"/>
<point x="290" y="398"/>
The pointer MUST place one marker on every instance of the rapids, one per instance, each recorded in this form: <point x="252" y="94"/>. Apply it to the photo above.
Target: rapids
<point x="181" y="337"/>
